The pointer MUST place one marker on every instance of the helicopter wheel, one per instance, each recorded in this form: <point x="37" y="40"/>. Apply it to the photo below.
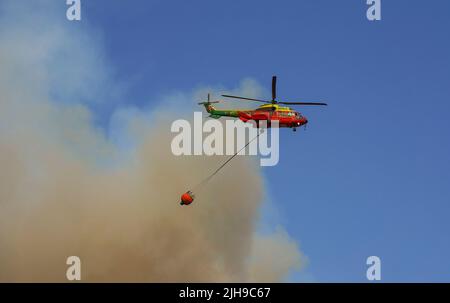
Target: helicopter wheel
<point x="294" y="129"/>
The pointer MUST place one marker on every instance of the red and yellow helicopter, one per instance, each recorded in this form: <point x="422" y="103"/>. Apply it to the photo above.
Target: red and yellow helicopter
<point x="270" y="111"/>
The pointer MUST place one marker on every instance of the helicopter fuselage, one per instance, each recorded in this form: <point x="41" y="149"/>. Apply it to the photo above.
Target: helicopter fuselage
<point x="285" y="116"/>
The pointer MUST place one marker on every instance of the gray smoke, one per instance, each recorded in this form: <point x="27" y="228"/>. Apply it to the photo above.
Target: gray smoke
<point x="67" y="189"/>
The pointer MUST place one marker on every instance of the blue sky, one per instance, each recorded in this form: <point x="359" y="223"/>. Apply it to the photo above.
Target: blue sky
<point x="370" y="175"/>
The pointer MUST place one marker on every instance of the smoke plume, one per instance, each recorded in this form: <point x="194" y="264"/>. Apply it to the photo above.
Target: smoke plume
<point x="69" y="189"/>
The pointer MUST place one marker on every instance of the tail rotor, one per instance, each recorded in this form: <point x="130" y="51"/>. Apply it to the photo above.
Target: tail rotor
<point x="208" y="101"/>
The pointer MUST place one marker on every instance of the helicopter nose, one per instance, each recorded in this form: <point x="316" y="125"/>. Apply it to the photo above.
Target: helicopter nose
<point x="302" y="121"/>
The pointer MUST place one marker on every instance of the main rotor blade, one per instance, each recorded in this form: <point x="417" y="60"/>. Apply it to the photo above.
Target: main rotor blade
<point x="274" y="88"/>
<point x="303" y="103"/>
<point x="243" y="98"/>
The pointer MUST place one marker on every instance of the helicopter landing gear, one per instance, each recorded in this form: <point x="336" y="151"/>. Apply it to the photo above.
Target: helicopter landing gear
<point x="294" y="129"/>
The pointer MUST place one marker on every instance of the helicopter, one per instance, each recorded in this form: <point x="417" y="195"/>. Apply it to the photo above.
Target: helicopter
<point x="268" y="112"/>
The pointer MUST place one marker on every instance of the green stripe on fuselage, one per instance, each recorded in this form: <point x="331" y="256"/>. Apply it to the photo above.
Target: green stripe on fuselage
<point x="224" y="113"/>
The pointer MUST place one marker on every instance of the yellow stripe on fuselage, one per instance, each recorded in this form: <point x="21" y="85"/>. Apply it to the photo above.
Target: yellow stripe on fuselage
<point x="276" y="106"/>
